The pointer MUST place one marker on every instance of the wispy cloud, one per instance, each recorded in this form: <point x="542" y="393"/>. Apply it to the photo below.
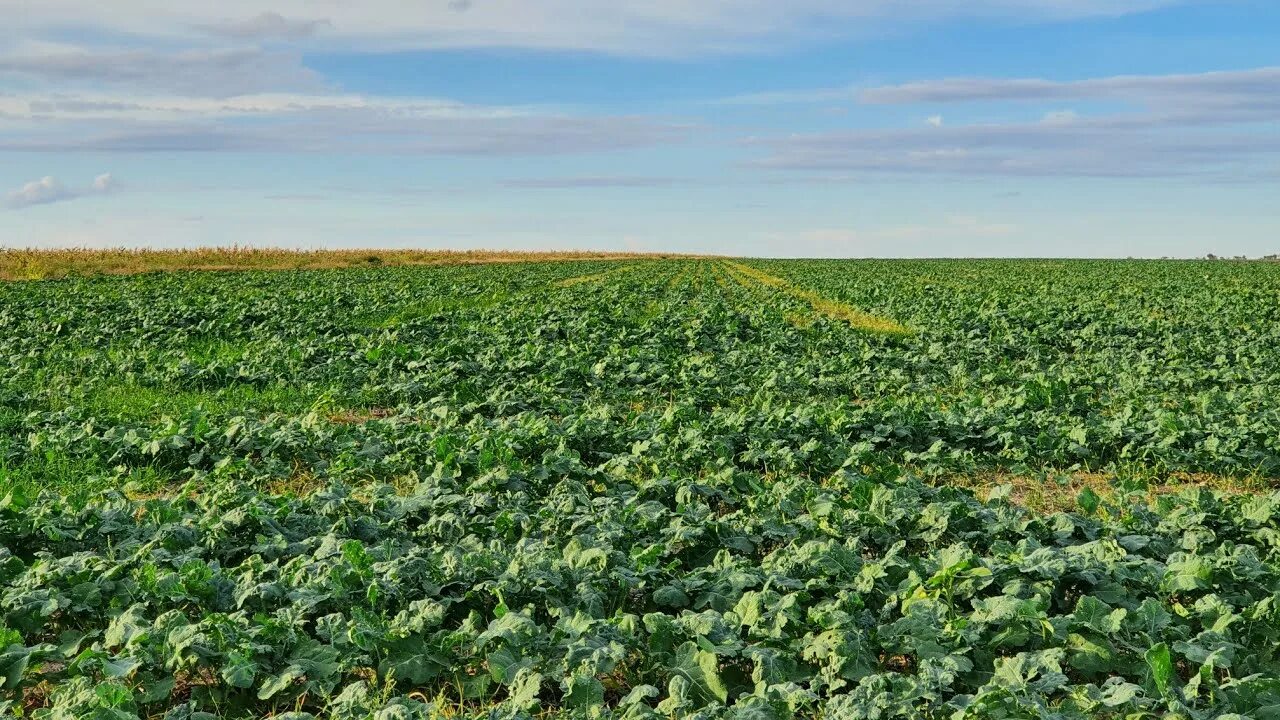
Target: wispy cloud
<point x="253" y="100"/>
<point x="1093" y="148"/>
<point x="1207" y="125"/>
<point x="587" y="182"/>
<point x="200" y="73"/>
<point x="105" y="183"/>
<point x="1249" y="86"/>
<point x="78" y="105"/>
<point x="318" y="123"/>
<point x="266" y="26"/>
<point x="1257" y="88"/>
<point x="632" y="27"/>
<point x="39" y="192"/>
<point x="790" y="97"/>
<point x="49" y="190"/>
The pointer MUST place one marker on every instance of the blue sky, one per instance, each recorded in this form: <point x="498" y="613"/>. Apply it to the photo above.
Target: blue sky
<point x="806" y="128"/>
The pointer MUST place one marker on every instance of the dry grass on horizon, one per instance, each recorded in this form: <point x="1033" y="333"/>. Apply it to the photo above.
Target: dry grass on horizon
<point x="33" y="264"/>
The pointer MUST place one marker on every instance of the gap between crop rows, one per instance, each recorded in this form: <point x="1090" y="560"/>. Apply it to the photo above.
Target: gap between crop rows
<point x="821" y="304"/>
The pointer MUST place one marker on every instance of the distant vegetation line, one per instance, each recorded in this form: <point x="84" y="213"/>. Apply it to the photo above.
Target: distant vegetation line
<point x="40" y="264"/>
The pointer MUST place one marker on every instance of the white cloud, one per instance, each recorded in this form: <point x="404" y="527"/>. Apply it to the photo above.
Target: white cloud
<point x="934" y="120"/>
<point x="82" y="106"/>
<point x="635" y="27"/>
<point x="589" y="182"/>
<point x="1059" y="117"/>
<point x="1103" y="147"/>
<point x="317" y="123"/>
<point x="266" y="26"/>
<point x="1237" y="85"/>
<point x="790" y="97"/>
<point x="49" y="189"/>
<point x="938" y="154"/>
<point x="198" y="73"/>
<point x="1211" y="125"/>
<point x="1256" y="89"/>
<point x="148" y="100"/>
<point x="39" y="192"/>
<point x="105" y="183"/>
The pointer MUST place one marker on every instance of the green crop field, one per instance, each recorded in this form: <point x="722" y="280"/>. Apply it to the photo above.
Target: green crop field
<point x="643" y="488"/>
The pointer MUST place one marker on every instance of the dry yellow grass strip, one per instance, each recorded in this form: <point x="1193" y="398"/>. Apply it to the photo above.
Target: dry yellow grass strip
<point x="570" y="282"/>
<point x="823" y="305"/>
<point x="746" y="284"/>
<point x="675" y="280"/>
<point x="1058" y="493"/>
<point x="37" y="264"/>
<point x="596" y="277"/>
<point x="758" y="288"/>
<point x="727" y="277"/>
<point x="721" y="275"/>
<point x="759" y="276"/>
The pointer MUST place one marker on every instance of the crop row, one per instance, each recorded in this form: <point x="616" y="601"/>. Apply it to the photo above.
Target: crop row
<point x="511" y="594"/>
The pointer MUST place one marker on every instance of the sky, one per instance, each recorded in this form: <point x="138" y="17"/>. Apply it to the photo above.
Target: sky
<point x="815" y="128"/>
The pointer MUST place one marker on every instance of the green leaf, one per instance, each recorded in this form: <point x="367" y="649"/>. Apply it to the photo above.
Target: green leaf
<point x="702" y="670"/>
<point x="504" y="664"/>
<point x="279" y="682"/>
<point x="13" y="664"/>
<point x="239" y="670"/>
<point x="582" y="692"/>
<point x="1160" y="663"/>
<point x="1188" y="572"/>
<point x="523" y="694"/>
<point x="670" y="596"/>
<point x="126" y="626"/>
<point x="155" y="691"/>
<point x="1116" y="692"/>
<point x="1088" y="500"/>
